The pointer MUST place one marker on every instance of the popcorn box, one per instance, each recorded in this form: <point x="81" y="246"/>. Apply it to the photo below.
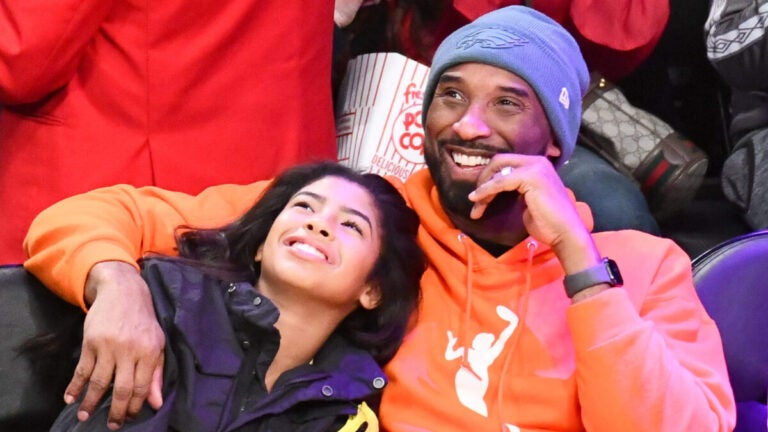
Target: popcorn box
<point x="378" y="126"/>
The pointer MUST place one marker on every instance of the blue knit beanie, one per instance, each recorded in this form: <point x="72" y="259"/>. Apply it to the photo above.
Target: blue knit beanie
<point x="532" y="46"/>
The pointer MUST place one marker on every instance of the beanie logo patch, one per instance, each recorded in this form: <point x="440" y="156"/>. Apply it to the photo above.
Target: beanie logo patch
<point x="564" y="99"/>
<point x="491" y="37"/>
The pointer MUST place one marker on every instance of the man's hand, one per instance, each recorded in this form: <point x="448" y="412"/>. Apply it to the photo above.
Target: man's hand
<point x="550" y="215"/>
<point x="121" y="339"/>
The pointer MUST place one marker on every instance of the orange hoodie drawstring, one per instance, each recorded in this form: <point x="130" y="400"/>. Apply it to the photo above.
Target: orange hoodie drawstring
<point x="532" y="245"/>
<point x="464" y="333"/>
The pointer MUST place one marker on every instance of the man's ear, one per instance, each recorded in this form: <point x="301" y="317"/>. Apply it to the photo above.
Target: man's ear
<point x="259" y="253"/>
<point x="371" y="296"/>
<point x="553" y="151"/>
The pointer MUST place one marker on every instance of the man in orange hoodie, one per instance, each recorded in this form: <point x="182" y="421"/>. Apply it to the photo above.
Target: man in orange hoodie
<point x="525" y="322"/>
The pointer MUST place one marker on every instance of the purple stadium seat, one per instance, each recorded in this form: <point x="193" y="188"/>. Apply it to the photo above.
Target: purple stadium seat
<point x="732" y="282"/>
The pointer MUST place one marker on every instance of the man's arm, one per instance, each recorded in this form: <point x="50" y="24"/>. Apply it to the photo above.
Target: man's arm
<point x="647" y="355"/>
<point x="121" y="223"/>
<point x="85" y="248"/>
<point x="648" y="352"/>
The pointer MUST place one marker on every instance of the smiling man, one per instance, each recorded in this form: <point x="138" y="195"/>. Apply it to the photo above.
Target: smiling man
<point x="526" y="322"/>
<point x="501" y="113"/>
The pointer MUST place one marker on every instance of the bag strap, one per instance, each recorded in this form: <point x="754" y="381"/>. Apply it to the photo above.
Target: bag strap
<point x="598" y="85"/>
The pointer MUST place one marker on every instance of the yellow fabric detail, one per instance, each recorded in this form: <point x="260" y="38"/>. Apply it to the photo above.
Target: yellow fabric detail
<point x="365" y="415"/>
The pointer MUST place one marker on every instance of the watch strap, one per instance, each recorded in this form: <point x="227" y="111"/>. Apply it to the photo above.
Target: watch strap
<point x="605" y="272"/>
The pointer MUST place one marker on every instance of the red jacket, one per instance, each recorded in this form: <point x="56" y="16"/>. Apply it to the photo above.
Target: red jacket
<point x="178" y="94"/>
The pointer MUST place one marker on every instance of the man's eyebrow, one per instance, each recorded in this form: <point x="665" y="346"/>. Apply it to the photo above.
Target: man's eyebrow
<point x="345" y="209"/>
<point x="517" y="91"/>
<point x="449" y="78"/>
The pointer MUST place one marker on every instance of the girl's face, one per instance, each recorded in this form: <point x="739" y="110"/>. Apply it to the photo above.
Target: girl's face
<point x="322" y="247"/>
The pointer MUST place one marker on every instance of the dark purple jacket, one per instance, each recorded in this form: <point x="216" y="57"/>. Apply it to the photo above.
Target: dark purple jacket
<point x="220" y="340"/>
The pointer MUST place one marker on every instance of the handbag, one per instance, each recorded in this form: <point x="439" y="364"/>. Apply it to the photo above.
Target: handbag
<point x="668" y="168"/>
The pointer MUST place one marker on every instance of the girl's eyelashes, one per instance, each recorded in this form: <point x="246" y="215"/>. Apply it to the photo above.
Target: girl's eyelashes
<point x="306" y="205"/>
<point x="354" y="225"/>
<point x="303" y="204"/>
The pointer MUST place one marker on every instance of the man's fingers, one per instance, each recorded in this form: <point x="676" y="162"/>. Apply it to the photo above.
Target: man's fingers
<point x="142" y="386"/>
<point x="122" y="392"/>
<point x="122" y="335"/>
<point x="156" y="387"/>
<point x="97" y="385"/>
<point x="81" y="376"/>
<point x="477" y="210"/>
<point x="502" y="181"/>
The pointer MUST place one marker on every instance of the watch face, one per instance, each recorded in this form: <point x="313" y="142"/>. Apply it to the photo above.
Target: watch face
<point x="613" y="270"/>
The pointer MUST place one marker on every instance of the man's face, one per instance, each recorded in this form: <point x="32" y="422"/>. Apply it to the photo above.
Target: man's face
<point x="478" y="111"/>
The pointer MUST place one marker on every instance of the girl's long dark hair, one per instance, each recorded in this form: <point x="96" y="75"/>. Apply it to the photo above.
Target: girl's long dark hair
<point x="229" y="252"/>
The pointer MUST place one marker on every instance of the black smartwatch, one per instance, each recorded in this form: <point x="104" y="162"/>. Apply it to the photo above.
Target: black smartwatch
<point x="606" y="272"/>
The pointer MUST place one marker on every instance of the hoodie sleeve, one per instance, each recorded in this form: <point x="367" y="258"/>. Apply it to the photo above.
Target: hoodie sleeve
<point x="42" y="42"/>
<point x="648" y="357"/>
<point x="121" y="223"/>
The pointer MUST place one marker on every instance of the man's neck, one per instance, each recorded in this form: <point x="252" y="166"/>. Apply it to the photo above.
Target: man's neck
<point x="492" y="248"/>
<point x="493" y="235"/>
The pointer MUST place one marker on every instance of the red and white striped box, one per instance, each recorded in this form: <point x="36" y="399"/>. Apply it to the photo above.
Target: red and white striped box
<point x="378" y="126"/>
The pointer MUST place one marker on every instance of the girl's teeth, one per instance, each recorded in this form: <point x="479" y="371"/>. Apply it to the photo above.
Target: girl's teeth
<point x="309" y="249"/>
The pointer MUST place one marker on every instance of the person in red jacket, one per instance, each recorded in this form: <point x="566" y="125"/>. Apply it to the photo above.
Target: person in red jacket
<point x="177" y="94"/>
<point x="528" y="321"/>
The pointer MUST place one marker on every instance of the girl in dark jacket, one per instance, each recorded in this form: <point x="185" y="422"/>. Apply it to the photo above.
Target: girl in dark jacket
<point x="280" y="320"/>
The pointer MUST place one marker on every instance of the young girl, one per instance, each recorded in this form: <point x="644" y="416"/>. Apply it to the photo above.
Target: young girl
<point x="280" y="320"/>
